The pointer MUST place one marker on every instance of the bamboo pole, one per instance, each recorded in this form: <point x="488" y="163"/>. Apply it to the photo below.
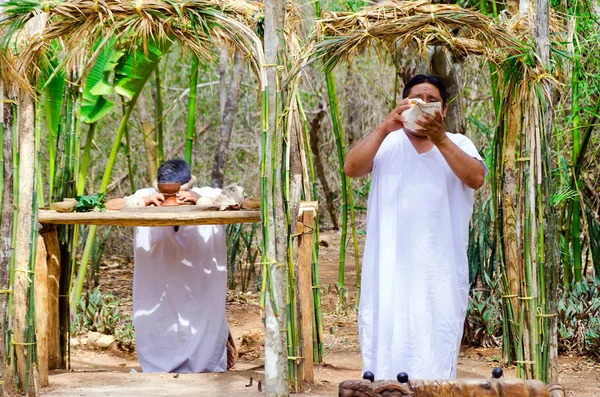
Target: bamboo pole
<point x="158" y="111"/>
<point x="318" y="345"/>
<point x="191" y="116"/>
<point x="7" y="209"/>
<point x="24" y="232"/>
<point x="276" y="377"/>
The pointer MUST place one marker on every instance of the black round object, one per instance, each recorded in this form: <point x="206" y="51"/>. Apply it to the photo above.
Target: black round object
<point x="402" y="377"/>
<point x="369" y="376"/>
<point x="497" y="373"/>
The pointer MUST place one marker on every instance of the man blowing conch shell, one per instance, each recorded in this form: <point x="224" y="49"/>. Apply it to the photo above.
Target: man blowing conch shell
<point x="414" y="273"/>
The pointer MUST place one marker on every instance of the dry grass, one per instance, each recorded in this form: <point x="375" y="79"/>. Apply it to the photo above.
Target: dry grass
<point x="200" y="25"/>
<point x="393" y="25"/>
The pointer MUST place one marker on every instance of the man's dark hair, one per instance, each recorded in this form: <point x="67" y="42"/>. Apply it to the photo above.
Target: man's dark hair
<point x="422" y="78"/>
<point x="175" y="170"/>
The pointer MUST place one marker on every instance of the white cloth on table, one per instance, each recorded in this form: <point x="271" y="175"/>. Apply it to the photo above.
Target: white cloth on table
<point x="179" y="288"/>
<point x="414" y="286"/>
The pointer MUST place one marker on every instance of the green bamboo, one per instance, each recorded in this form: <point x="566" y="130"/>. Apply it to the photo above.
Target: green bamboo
<point x="160" y="148"/>
<point x="127" y="147"/>
<point x="78" y="288"/>
<point x="38" y="169"/>
<point x="318" y="345"/>
<point x="191" y="118"/>
<point x="575" y="128"/>
<point x="86" y="158"/>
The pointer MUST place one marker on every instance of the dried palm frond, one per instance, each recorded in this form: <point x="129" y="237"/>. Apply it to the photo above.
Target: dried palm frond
<point x="399" y="23"/>
<point x="197" y="24"/>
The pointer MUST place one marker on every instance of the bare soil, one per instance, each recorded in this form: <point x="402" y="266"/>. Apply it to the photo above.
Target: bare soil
<point x="115" y="373"/>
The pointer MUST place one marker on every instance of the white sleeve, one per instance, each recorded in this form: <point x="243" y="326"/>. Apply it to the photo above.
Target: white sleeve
<point x="469" y="148"/>
<point x="149" y="191"/>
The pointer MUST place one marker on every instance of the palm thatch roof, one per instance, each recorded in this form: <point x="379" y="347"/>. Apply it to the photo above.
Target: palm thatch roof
<point x="393" y="24"/>
<point x="198" y="24"/>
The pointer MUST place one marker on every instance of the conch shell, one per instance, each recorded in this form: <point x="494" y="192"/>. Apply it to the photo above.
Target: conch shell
<point x="416" y="110"/>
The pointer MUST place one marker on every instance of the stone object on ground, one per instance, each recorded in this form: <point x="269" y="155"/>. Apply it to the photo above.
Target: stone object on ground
<point x="96" y="340"/>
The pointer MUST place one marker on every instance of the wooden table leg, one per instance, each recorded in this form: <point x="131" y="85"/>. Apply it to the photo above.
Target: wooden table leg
<point x="40" y="283"/>
<point x="305" y="292"/>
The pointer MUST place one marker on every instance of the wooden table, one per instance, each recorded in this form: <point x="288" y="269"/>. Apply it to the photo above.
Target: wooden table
<point x="149" y="218"/>
<point x="47" y="271"/>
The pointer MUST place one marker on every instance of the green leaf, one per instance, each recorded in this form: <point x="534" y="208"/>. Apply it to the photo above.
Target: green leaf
<point x="94" y="105"/>
<point x="133" y="68"/>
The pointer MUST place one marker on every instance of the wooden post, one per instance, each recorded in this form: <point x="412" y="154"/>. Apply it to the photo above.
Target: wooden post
<point x="22" y="281"/>
<point x="305" y="293"/>
<point x="40" y="284"/>
<point x="55" y="356"/>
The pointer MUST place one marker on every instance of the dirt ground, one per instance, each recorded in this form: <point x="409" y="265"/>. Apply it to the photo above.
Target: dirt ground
<point x="114" y="373"/>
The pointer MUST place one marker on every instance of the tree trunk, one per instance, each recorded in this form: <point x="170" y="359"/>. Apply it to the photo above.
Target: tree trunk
<point x="450" y="73"/>
<point x="23" y="239"/>
<point x="276" y="362"/>
<point x="6" y="225"/>
<point x="315" y="132"/>
<point x="228" y="114"/>
<point x="149" y="143"/>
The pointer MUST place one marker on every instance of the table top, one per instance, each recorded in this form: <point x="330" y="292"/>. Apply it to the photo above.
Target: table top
<point x="150" y="218"/>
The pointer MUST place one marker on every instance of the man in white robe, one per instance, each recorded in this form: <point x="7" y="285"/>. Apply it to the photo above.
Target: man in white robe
<point x="414" y="286"/>
<point x="179" y="286"/>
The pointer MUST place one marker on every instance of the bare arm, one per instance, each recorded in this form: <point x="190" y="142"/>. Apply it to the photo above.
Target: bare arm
<point x="115" y="204"/>
<point x="468" y="169"/>
<point x="118" y="203"/>
<point x="359" y="160"/>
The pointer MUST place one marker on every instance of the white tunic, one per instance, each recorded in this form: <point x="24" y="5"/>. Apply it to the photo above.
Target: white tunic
<point x="179" y="288"/>
<point x="415" y="280"/>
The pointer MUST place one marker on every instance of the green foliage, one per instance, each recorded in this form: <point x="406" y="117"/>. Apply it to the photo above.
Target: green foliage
<point x="100" y="313"/>
<point x="579" y="318"/>
<point x="90" y="203"/>
<point x="483" y="324"/>
<point x="242" y="253"/>
<point x="94" y="104"/>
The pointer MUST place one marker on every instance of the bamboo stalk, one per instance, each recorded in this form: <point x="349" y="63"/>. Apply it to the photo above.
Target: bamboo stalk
<point x="339" y="142"/>
<point x="83" y="170"/>
<point x="276" y="377"/>
<point x="160" y="150"/>
<point x="21" y="288"/>
<point x="191" y="119"/>
<point x="576" y="251"/>
<point x="319" y="346"/>
<point x="78" y="288"/>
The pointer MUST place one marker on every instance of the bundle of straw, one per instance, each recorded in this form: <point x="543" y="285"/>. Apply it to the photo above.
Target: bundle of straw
<point x="197" y="24"/>
<point x="399" y="23"/>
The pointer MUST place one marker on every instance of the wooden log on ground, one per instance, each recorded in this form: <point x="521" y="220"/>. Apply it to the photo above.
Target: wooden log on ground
<point x="305" y="293"/>
<point x="150" y="218"/>
<point x="40" y="284"/>
<point x="55" y="357"/>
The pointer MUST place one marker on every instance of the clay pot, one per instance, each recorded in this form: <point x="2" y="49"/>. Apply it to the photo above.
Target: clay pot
<point x="169" y="190"/>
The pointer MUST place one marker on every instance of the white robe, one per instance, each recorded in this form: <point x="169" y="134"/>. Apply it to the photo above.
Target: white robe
<point x="414" y="286"/>
<point x="179" y="287"/>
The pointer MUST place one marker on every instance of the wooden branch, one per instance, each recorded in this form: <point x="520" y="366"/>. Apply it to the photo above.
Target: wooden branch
<point x="123" y="218"/>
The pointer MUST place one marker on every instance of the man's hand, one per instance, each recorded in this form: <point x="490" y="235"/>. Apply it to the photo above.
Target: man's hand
<point x="184" y="197"/>
<point x="433" y="127"/>
<point x="156" y="199"/>
<point x="394" y="121"/>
